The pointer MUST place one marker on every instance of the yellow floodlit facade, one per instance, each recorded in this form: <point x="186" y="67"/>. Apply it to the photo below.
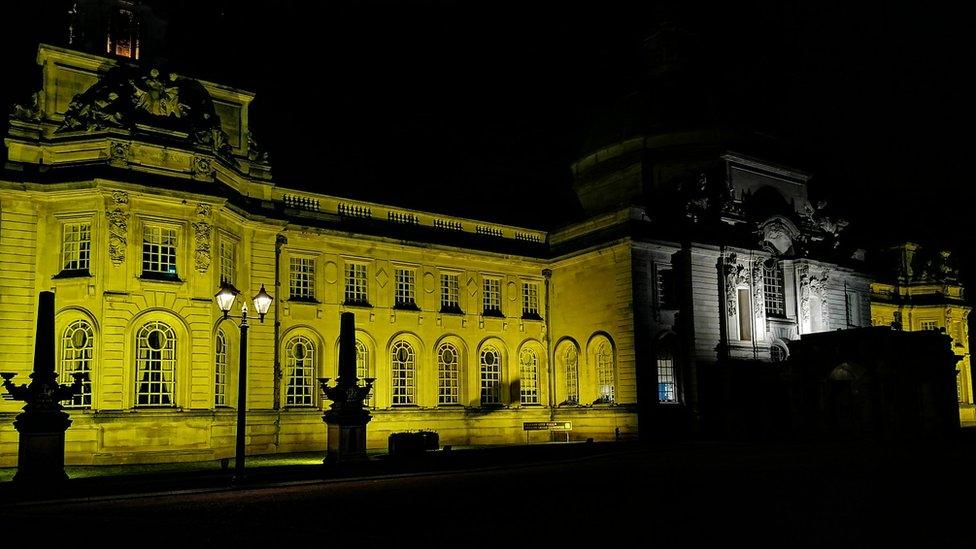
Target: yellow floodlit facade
<point x="926" y="295"/>
<point x="132" y="193"/>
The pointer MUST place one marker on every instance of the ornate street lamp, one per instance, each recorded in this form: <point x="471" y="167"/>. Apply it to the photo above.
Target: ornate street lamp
<point x="262" y="302"/>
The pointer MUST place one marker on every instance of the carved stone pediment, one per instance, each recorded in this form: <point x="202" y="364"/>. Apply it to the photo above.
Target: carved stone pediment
<point x="779" y="236"/>
<point x="128" y="97"/>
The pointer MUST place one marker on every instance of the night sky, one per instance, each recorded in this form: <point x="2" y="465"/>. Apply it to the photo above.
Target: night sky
<point x="478" y="108"/>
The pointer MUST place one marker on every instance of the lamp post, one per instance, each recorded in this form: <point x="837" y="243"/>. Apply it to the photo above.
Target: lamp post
<point x="225" y="300"/>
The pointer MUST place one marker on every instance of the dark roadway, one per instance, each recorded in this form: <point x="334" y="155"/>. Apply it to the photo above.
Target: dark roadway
<point x="667" y="496"/>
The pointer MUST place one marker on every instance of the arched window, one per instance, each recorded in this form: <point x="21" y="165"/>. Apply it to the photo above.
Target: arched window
<point x="571" y="360"/>
<point x="528" y="377"/>
<point x="491" y="375"/>
<point x="404" y="375"/>
<point x="155" y="365"/>
<point x="77" y="346"/>
<point x="448" y="374"/>
<point x="220" y="369"/>
<point x="362" y="366"/>
<point x="300" y="358"/>
<point x="667" y="386"/>
<point x="604" y="372"/>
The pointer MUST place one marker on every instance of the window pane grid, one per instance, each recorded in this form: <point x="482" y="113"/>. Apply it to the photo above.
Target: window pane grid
<point x="302" y="278"/>
<point x="356" y="283"/>
<point x="604" y="372"/>
<point x="227" y="265"/>
<point x="155" y="365"/>
<point x="404" y="380"/>
<point x="362" y="367"/>
<point x="773" y="290"/>
<point x="77" y="348"/>
<point x="76" y="247"/>
<point x="571" y="359"/>
<point x="666" y="384"/>
<point x="220" y="370"/>
<point x="530" y="299"/>
<point x="450" y="292"/>
<point x="491" y="376"/>
<point x="448" y="374"/>
<point x="493" y="295"/>
<point x="529" y="377"/>
<point x="300" y="358"/>
<point x="159" y="249"/>
<point x="404" y="292"/>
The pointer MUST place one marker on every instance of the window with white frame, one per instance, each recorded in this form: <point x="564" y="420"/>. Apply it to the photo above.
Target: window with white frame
<point x="667" y="386"/>
<point x="228" y="265"/>
<point x="220" y="369"/>
<point x="159" y="244"/>
<point x="930" y="325"/>
<point x="571" y="361"/>
<point x="404" y="291"/>
<point x="491" y="375"/>
<point x="155" y="365"/>
<point x="773" y="289"/>
<point x="404" y="376"/>
<point x="301" y="279"/>
<point x="362" y="367"/>
<point x="530" y="300"/>
<point x="665" y="289"/>
<point x="604" y="372"/>
<point x="448" y="374"/>
<point x="300" y="368"/>
<point x="492" y="296"/>
<point x="76" y="247"/>
<point x="356" y="290"/>
<point x="528" y="377"/>
<point x="450" y="293"/>
<point x="77" y="355"/>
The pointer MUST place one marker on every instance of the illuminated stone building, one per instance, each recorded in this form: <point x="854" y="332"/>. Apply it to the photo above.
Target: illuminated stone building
<point x="920" y="290"/>
<point x="133" y="192"/>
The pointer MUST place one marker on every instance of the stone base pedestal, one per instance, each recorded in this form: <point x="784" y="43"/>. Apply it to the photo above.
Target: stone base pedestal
<point x="347" y="443"/>
<point x="40" y="459"/>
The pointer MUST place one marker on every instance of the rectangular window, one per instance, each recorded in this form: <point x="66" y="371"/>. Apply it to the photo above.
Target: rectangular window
<point x="302" y="279"/>
<point x="665" y="289"/>
<point x="745" y="315"/>
<point x="492" y="296"/>
<point x="356" y="284"/>
<point x="667" y="386"/>
<point x="228" y="266"/>
<point x="773" y="290"/>
<point x="852" y="306"/>
<point x="530" y="300"/>
<point x="76" y="247"/>
<point x="450" y="293"/>
<point x="159" y="251"/>
<point x="404" y="297"/>
<point x="930" y="324"/>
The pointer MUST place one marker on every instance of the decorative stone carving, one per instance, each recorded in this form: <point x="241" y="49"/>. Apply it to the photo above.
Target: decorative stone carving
<point x="201" y="238"/>
<point x="127" y="95"/>
<point x="118" y="153"/>
<point x="813" y="285"/>
<point x="30" y="111"/>
<point x="817" y="218"/>
<point x="255" y="152"/>
<point x="735" y="275"/>
<point x="118" y="227"/>
<point x="779" y="236"/>
<point x="202" y="166"/>
<point x="758" y="291"/>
